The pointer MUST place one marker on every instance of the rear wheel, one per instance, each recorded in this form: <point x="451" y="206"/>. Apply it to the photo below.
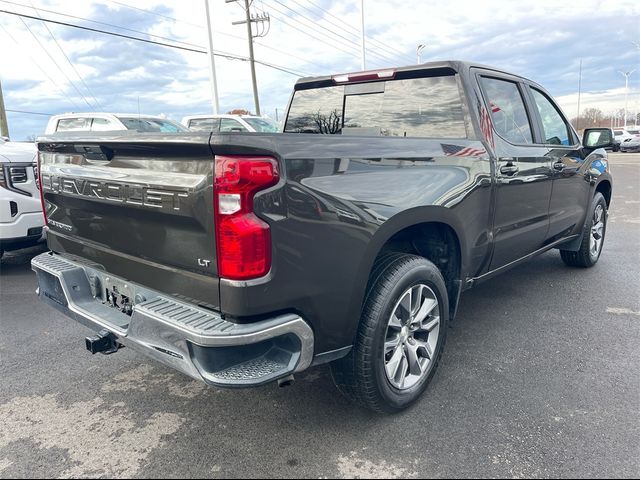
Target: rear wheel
<point x="592" y="237"/>
<point x="400" y="338"/>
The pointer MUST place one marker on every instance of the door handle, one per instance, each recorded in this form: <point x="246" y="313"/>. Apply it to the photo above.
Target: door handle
<point x="559" y="166"/>
<point x="509" y="169"/>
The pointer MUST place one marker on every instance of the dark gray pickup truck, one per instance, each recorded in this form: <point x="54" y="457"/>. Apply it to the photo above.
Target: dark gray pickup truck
<point x="241" y="259"/>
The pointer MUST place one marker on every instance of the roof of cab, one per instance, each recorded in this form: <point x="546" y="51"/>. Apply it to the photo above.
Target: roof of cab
<point x="456" y="65"/>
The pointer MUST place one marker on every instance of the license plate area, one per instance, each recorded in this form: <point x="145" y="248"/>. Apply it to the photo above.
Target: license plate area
<point x="118" y="295"/>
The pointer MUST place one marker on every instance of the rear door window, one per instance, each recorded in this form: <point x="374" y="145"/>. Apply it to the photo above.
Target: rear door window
<point x="412" y="107"/>
<point x="509" y="115"/>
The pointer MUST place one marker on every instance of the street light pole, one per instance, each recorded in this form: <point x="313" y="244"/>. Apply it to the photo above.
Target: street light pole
<point x="626" y="93"/>
<point x="419" y="50"/>
<point x="212" y="63"/>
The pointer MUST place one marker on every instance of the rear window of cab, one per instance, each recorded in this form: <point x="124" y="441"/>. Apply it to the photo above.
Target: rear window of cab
<point x="413" y="107"/>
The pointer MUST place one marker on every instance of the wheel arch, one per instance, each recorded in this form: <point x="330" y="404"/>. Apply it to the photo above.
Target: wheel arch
<point x="390" y="236"/>
<point x="605" y="188"/>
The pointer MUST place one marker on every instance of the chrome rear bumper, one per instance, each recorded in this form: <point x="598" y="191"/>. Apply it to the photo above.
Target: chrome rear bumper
<point x="189" y="338"/>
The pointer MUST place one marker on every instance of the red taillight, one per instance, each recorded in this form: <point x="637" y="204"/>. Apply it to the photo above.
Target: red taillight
<point x="41" y="188"/>
<point x="243" y="241"/>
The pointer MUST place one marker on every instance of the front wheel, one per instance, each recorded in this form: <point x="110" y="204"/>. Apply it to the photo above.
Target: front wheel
<point x="400" y="338"/>
<point x="592" y="237"/>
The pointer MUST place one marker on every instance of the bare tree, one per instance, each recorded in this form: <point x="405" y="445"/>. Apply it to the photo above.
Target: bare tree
<point x="328" y="124"/>
<point x="593" y="116"/>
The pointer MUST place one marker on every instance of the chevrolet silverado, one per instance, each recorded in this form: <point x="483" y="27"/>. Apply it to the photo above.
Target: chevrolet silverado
<point x="241" y="259"/>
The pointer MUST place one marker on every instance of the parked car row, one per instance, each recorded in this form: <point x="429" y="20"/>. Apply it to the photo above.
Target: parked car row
<point x="105" y="122"/>
<point x="627" y="140"/>
<point x="230" y="123"/>
<point x="21" y="219"/>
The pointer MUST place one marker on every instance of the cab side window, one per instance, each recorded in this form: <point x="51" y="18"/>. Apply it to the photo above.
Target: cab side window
<point x="508" y="112"/>
<point x="556" y="130"/>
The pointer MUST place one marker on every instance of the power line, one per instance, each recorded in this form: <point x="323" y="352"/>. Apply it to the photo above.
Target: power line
<point x="30" y="113"/>
<point x="157" y="36"/>
<point x="155" y="13"/>
<point x="341" y="46"/>
<point x="37" y="64"/>
<point x="381" y="44"/>
<point x="227" y="55"/>
<point x="312" y="21"/>
<point x="129" y="37"/>
<point x="326" y="40"/>
<point x="68" y="15"/>
<point x="56" y="63"/>
<point x="304" y="32"/>
<point x="68" y="60"/>
<point x="316" y="25"/>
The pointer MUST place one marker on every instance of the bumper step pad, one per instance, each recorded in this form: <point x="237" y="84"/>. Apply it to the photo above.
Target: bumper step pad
<point x="194" y="340"/>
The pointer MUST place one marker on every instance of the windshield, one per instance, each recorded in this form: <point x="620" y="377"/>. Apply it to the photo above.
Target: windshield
<point x="412" y="107"/>
<point x="145" y="124"/>
<point x="262" y="124"/>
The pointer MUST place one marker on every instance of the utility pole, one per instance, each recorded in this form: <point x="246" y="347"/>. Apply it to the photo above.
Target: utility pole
<point x="4" y="126"/>
<point x="626" y="93"/>
<point x="363" y="59"/>
<point x="212" y="62"/>
<point x="260" y="19"/>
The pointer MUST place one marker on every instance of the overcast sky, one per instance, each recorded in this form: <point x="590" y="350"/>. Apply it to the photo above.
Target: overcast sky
<point x="542" y="40"/>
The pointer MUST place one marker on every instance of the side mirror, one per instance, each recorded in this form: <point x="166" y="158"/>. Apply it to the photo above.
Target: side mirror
<point x="597" y="138"/>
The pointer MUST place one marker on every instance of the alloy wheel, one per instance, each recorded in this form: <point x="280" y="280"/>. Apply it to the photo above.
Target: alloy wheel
<point x="411" y="338"/>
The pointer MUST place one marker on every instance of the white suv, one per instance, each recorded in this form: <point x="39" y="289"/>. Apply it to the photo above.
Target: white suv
<point x="107" y="122"/>
<point x="230" y="123"/>
<point x="21" y="219"/>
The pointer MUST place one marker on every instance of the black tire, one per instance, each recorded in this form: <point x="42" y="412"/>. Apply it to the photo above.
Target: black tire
<point x="361" y="376"/>
<point x="585" y="257"/>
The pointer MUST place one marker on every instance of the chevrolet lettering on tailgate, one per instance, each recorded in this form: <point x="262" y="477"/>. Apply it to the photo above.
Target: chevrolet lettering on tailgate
<point x="152" y="197"/>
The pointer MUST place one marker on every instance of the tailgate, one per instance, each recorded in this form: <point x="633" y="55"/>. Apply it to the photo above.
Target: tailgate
<point x="140" y="207"/>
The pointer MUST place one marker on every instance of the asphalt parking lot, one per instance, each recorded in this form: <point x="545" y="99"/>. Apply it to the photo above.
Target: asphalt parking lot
<point x="540" y="378"/>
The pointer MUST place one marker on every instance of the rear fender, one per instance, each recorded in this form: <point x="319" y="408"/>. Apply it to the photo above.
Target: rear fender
<point x="401" y="221"/>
